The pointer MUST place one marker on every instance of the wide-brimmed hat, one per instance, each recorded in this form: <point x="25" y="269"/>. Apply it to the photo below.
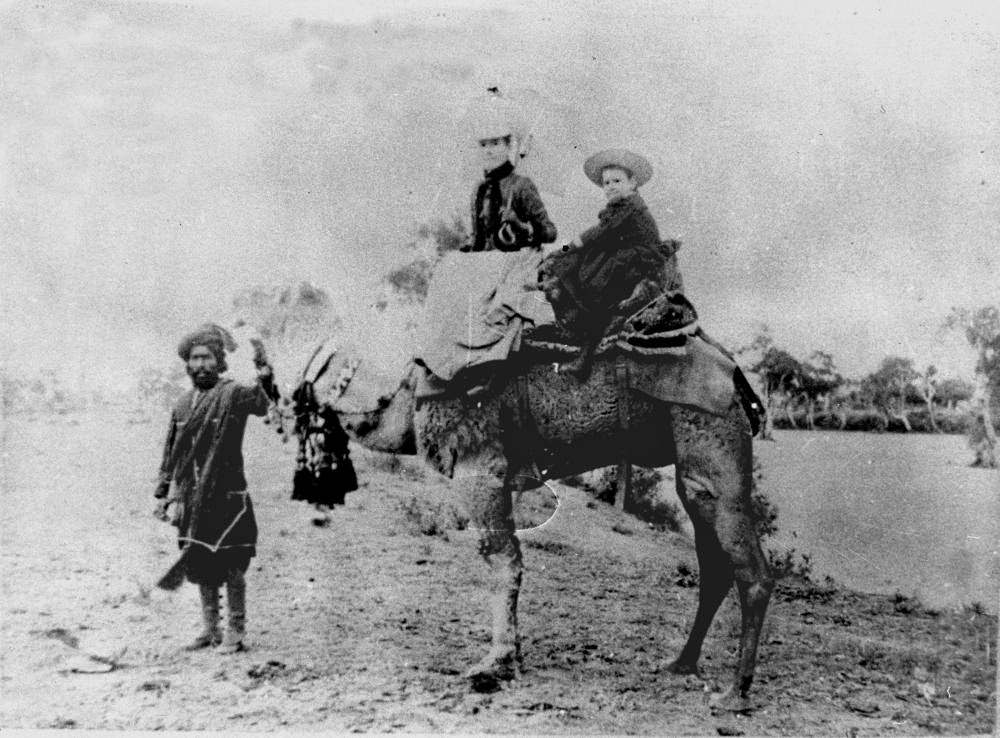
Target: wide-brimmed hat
<point x="638" y="165"/>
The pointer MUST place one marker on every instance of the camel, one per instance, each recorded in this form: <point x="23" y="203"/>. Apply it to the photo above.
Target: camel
<point x="539" y="424"/>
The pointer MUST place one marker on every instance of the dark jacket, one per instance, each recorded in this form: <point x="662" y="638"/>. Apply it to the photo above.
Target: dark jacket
<point x="616" y="254"/>
<point x="246" y="401"/>
<point x="203" y="457"/>
<point x="490" y="200"/>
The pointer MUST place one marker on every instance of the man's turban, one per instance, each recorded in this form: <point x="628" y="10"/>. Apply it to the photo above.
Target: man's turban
<point x="215" y="338"/>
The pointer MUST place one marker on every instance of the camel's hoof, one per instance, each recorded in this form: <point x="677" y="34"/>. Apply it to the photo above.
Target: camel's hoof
<point x="490" y="673"/>
<point x="678" y="667"/>
<point x="729" y="701"/>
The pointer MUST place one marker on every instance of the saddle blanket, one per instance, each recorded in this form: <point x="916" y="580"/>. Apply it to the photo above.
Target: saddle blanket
<point x="476" y="320"/>
<point x="477" y="308"/>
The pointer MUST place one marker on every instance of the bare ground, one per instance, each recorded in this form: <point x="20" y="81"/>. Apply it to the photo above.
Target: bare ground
<point x="366" y="624"/>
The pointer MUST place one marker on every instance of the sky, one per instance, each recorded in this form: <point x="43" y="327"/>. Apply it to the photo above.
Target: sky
<point x="831" y="169"/>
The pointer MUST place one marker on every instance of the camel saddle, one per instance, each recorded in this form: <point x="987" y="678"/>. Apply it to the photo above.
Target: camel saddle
<point x="478" y="330"/>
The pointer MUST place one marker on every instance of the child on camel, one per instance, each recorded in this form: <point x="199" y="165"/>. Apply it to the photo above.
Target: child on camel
<point x="611" y="269"/>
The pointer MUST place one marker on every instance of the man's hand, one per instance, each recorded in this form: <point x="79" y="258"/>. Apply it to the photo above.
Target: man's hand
<point x="160" y="511"/>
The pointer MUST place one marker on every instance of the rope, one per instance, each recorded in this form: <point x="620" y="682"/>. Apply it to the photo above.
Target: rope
<point x="214" y="548"/>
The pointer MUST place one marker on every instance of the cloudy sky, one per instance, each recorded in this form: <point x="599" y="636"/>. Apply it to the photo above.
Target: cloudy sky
<point x="832" y="169"/>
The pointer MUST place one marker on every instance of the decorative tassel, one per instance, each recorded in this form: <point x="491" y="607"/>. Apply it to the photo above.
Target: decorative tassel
<point x="303" y="485"/>
<point x="348" y="477"/>
<point x="329" y="491"/>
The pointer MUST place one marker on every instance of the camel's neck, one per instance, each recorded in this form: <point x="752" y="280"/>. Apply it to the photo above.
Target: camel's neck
<point x="389" y="428"/>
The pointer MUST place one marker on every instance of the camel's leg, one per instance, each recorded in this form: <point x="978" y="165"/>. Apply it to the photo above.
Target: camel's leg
<point x="491" y="513"/>
<point x="754" y="597"/>
<point x="714" y="481"/>
<point x="715" y="577"/>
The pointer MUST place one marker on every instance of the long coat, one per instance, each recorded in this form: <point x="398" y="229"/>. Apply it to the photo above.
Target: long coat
<point x="492" y="195"/>
<point x="203" y="457"/>
<point x="615" y="255"/>
<point x="618" y="253"/>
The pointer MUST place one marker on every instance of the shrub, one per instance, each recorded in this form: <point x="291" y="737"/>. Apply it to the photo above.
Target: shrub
<point x="646" y="503"/>
<point x="431" y="518"/>
<point x="872" y="421"/>
<point x="43" y="393"/>
<point x="947" y="421"/>
<point x="827" y="421"/>
<point x="953" y="421"/>
<point x="412" y="280"/>
<point x="161" y="388"/>
<point x="789" y="563"/>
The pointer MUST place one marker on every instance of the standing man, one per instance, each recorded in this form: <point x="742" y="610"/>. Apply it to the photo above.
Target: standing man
<point x="209" y="504"/>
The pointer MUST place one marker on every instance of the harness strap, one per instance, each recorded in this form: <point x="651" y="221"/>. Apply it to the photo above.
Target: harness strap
<point x="347" y="373"/>
<point x="526" y="428"/>
<point x="324" y="366"/>
<point x="622" y="387"/>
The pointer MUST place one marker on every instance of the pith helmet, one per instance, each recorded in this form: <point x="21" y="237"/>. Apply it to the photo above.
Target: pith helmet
<point x="638" y="165"/>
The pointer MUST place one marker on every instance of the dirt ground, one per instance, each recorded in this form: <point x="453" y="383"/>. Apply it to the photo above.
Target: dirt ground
<point x="365" y="625"/>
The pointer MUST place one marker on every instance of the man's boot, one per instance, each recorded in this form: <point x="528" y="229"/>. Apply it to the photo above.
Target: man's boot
<point x="210" y="634"/>
<point x="236" y="597"/>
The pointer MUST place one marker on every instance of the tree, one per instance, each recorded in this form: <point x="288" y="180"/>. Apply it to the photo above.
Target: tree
<point x="286" y="315"/>
<point x="412" y="280"/>
<point x="982" y="331"/>
<point x="927" y="386"/>
<point x="446" y="235"/>
<point x="779" y="372"/>
<point x="888" y="386"/>
<point x="952" y="391"/>
<point x="819" y="379"/>
<point x="846" y="396"/>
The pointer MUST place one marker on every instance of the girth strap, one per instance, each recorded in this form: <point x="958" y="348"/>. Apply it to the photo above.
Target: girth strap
<point x="622" y="389"/>
<point x="529" y="441"/>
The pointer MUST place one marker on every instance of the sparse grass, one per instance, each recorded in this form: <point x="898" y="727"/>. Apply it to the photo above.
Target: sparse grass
<point x="906" y="604"/>
<point x="388" y="463"/>
<point x="431" y="518"/>
<point x="553" y="547"/>
<point x="879" y="654"/>
<point x="975" y="609"/>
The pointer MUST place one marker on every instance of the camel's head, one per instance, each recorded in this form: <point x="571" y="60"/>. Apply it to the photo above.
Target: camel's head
<point x="389" y="426"/>
<point x="381" y="422"/>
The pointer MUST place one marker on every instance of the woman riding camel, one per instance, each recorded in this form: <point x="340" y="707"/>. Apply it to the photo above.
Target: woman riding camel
<point x="507" y="211"/>
<point x="612" y="268"/>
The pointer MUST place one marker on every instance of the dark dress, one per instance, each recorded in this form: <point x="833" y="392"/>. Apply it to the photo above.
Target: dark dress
<point x="615" y="255"/>
<point x="498" y="188"/>
<point x="203" y="456"/>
